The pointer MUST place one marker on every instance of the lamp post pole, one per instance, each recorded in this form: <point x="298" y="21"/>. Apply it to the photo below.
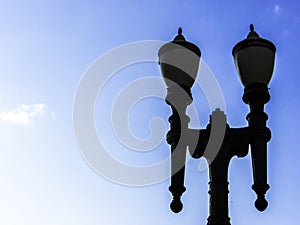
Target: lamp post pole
<point x="179" y="62"/>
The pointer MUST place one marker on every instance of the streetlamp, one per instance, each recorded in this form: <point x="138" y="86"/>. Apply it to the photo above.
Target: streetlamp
<point x="254" y="61"/>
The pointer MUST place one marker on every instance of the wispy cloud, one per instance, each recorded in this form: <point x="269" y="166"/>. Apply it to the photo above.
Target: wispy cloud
<point x="277" y="8"/>
<point x="24" y="115"/>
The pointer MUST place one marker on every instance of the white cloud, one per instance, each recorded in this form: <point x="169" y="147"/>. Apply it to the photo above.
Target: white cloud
<point x="24" y="114"/>
<point x="276" y="8"/>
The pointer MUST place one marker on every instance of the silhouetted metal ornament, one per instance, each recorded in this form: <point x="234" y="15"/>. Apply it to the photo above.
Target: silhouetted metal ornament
<point x="261" y="203"/>
<point x="254" y="59"/>
<point x="176" y="205"/>
<point x="179" y="61"/>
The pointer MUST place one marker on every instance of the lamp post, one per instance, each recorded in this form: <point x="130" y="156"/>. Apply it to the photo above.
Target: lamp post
<point x="254" y="60"/>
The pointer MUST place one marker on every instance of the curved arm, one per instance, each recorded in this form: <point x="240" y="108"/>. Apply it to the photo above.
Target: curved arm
<point x="201" y="138"/>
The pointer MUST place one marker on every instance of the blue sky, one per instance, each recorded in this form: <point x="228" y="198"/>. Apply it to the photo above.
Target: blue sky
<point x="45" y="49"/>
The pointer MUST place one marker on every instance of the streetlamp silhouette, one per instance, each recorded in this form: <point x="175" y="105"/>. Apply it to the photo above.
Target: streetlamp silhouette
<point x="254" y="60"/>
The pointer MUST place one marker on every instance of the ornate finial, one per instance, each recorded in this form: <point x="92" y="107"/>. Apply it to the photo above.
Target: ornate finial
<point x="176" y="205"/>
<point x="179" y="37"/>
<point x="179" y="30"/>
<point x="252" y="34"/>
<point x="261" y="203"/>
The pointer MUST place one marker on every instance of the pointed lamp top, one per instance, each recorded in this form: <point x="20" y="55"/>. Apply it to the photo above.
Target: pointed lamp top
<point x="252" y="34"/>
<point x="251" y="27"/>
<point x="179" y="30"/>
<point x="179" y="37"/>
<point x="180" y="40"/>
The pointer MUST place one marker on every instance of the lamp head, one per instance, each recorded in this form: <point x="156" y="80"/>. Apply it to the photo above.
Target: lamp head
<point x="179" y="61"/>
<point x="254" y="59"/>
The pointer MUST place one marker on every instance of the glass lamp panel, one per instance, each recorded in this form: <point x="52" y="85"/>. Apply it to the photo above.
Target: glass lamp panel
<point x="179" y="65"/>
<point x="255" y="64"/>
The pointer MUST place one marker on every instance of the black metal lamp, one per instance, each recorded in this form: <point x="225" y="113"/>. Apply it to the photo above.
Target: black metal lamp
<point x="179" y="63"/>
<point x="254" y="60"/>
